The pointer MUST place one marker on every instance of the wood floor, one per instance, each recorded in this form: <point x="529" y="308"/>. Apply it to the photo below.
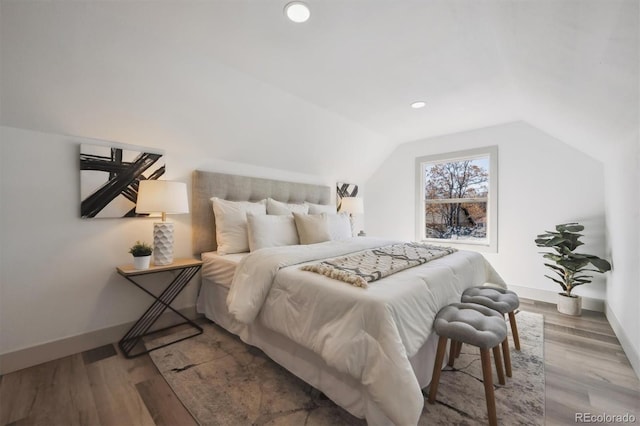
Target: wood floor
<point x="585" y="368"/>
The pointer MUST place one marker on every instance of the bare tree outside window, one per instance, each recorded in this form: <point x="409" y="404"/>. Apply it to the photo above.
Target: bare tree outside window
<point x="456" y="194"/>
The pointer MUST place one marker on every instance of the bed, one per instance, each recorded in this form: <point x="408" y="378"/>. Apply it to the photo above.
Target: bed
<point x="369" y="350"/>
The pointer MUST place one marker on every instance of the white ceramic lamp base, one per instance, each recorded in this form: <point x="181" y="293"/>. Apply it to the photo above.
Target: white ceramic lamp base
<point x="163" y="243"/>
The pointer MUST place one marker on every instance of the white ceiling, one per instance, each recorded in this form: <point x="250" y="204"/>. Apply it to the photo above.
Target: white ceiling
<point x="237" y="71"/>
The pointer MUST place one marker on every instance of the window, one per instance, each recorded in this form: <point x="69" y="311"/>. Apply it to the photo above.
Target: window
<point x="456" y="201"/>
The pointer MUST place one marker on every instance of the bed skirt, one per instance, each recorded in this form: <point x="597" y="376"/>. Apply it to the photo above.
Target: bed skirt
<point x="341" y="388"/>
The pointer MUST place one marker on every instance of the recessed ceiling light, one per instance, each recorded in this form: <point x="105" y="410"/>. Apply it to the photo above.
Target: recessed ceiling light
<point x="297" y="11"/>
<point x="418" y="105"/>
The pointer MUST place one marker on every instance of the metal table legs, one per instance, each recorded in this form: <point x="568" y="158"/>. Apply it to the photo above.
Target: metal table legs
<point x="141" y="328"/>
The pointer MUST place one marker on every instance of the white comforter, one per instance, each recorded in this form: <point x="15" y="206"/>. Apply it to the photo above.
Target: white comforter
<point x="370" y="333"/>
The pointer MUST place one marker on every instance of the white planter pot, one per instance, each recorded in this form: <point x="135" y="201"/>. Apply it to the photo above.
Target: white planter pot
<point x="141" y="262"/>
<point x="569" y="305"/>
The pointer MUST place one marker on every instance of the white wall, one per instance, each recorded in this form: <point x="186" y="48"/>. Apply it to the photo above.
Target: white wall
<point x="622" y="185"/>
<point x="146" y="73"/>
<point x="542" y="182"/>
<point x="109" y="71"/>
<point x="158" y="76"/>
<point x="57" y="271"/>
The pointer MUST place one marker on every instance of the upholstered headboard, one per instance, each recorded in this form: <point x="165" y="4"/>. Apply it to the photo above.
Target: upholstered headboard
<point x="241" y="188"/>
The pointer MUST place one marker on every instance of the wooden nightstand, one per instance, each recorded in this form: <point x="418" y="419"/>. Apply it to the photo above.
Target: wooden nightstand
<point x="187" y="269"/>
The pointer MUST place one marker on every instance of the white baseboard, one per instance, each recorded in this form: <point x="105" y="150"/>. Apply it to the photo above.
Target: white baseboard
<point x="588" y="303"/>
<point x="34" y="355"/>
<point x="629" y="349"/>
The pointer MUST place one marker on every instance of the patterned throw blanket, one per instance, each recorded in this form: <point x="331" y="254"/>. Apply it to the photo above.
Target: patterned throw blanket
<point x="371" y="265"/>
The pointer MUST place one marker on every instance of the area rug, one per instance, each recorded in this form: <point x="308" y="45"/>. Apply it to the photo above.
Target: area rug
<point x="222" y="381"/>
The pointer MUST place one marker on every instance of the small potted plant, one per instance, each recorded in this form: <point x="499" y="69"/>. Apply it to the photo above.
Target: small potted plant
<point x="568" y="266"/>
<point x="141" y="255"/>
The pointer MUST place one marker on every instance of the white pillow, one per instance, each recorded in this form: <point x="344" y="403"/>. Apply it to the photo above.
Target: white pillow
<point x="231" y="223"/>
<point x="280" y="208"/>
<point x="321" y="208"/>
<point x="339" y="226"/>
<point x="271" y="231"/>
<point x="312" y="228"/>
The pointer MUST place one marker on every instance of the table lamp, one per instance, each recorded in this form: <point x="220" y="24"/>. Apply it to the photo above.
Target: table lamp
<point x="161" y="196"/>
<point x="353" y="206"/>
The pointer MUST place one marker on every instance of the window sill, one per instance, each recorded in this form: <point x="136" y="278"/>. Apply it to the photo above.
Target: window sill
<point x="479" y="246"/>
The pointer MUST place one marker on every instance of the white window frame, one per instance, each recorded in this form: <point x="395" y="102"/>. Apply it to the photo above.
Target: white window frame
<point x="489" y="246"/>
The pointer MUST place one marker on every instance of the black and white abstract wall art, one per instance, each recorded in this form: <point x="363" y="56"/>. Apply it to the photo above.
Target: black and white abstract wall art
<point x="345" y="190"/>
<point x="110" y="176"/>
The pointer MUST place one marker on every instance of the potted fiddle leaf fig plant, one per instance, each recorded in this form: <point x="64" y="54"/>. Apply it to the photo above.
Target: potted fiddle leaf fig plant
<point x="570" y="268"/>
<point x="141" y="255"/>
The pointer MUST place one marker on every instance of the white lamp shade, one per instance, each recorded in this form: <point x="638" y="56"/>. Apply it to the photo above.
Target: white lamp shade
<point x="352" y="205"/>
<point x="161" y="196"/>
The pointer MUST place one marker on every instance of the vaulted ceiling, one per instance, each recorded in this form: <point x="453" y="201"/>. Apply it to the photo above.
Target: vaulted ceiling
<point x="238" y="79"/>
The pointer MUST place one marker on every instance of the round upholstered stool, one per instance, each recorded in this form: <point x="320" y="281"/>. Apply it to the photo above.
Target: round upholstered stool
<point x="475" y="325"/>
<point x="499" y="299"/>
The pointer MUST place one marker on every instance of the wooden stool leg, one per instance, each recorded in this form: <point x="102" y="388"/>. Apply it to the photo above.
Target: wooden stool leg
<point x="453" y="350"/>
<point x="488" y="386"/>
<point x="507" y="356"/>
<point x="514" y="330"/>
<point x="497" y="358"/>
<point x="437" y="368"/>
